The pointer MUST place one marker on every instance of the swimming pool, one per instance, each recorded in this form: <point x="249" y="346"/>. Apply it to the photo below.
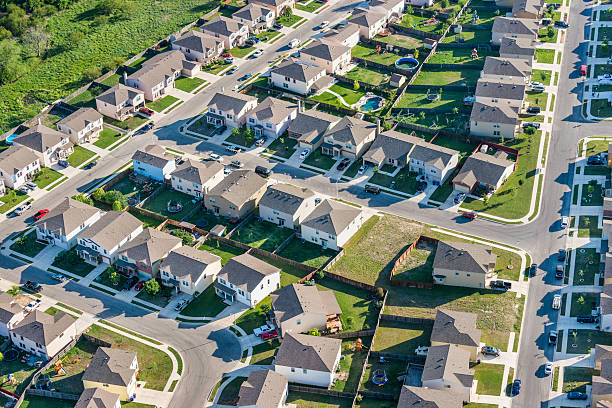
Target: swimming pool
<point x="9" y="139"/>
<point x="373" y="103"/>
<point x="407" y="63"/>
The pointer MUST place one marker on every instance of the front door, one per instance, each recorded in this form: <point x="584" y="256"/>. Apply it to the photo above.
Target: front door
<point x="324" y="243"/>
<point x="281" y="221"/>
<point x="216" y="210"/>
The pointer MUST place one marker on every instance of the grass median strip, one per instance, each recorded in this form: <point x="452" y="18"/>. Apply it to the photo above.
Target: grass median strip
<point x="140" y="336"/>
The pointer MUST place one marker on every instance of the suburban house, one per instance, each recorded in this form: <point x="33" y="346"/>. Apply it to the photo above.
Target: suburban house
<point x="299" y="308"/>
<point x="331" y="224"/>
<point x="499" y="119"/>
<point x="420" y="3"/>
<point x="17" y="165"/>
<point x="350" y="137"/>
<point x="517" y="48"/>
<point x="120" y="102"/>
<point x="310" y="360"/>
<point x="257" y="17"/>
<point x="271" y="117"/>
<point x="601" y="390"/>
<point x="229" y="108"/>
<point x="506" y="68"/>
<point x="345" y="34"/>
<point x="112" y="370"/>
<point x="231" y="32"/>
<point x="458" y="328"/>
<point x="83" y="125"/>
<point x="447" y="366"/>
<point x="435" y="163"/>
<point x="527" y="9"/>
<point x="277" y="6"/>
<point x="154" y="162"/>
<point x="463" y="264"/>
<point x="602" y="352"/>
<point x="189" y="270"/>
<point x="299" y="76"/>
<point x="329" y="54"/>
<point x="158" y="73"/>
<point x="391" y="8"/>
<point x="493" y="90"/>
<point x="513" y="28"/>
<point x="370" y="22"/>
<point x="98" y="398"/>
<point x="43" y="335"/>
<point x="286" y="205"/>
<point x="48" y="144"/>
<point x="605" y="302"/>
<point x="482" y="170"/>
<point x="197" y="46"/>
<point x="11" y="312"/>
<point x="309" y="127"/>
<point x="421" y="397"/>
<point x="196" y="178"/>
<point x="263" y="389"/>
<point x="236" y="195"/>
<point x="247" y="280"/>
<point x="143" y="254"/>
<point x="100" y="242"/>
<point x="65" y="222"/>
<point x="2" y="188"/>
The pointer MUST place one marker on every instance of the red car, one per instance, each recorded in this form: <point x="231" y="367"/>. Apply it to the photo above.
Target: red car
<point x="226" y="55"/>
<point x="269" y="335"/>
<point x="139" y="286"/>
<point x="40" y="214"/>
<point x="471" y="215"/>
<point x="583" y="70"/>
<point x="146" y="111"/>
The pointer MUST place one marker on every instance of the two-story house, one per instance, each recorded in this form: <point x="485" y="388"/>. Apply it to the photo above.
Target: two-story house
<point x="525" y="28"/>
<point x="98" y="398"/>
<point x="257" y="17"/>
<point x="17" y="165"/>
<point x="310" y="360"/>
<point x="457" y="328"/>
<point x="277" y="6"/>
<point x="329" y="54"/>
<point x="463" y="264"/>
<point x="309" y="127"/>
<point x="299" y="76"/>
<point x="196" y="178"/>
<point x="189" y="270"/>
<point x="229" y="108"/>
<point x="112" y="370"/>
<point x="421" y="397"/>
<point x="350" y="137"/>
<point x="506" y="68"/>
<point x="236" y="195"/>
<point x="11" y="312"/>
<point x="263" y="389"/>
<point x="48" y="144"/>
<point x="120" y="102"/>
<point x="230" y="31"/>
<point x="448" y="367"/>
<point x="43" y="335"/>
<point x="499" y="119"/>
<point x="345" y="34"/>
<point x="100" y="242"/>
<point x="370" y="22"/>
<point x="517" y="48"/>
<point x="391" y="8"/>
<point x="65" y="222"/>
<point x="485" y="171"/>
<point x="197" y="46"/>
<point x="82" y="126"/>
<point x="142" y="255"/>
<point x="271" y="117"/>
<point x="527" y="9"/>
<point x="492" y="90"/>
<point x="331" y="224"/>
<point x="286" y="205"/>
<point x="154" y="162"/>
<point x="247" y="280"/>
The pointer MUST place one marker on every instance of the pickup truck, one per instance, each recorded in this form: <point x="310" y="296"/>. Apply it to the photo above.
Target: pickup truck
<point x="500" y="284"/>
<point x="560" y="271"/>
<point x="552" y="337"/>
<point x="258" y="331"/>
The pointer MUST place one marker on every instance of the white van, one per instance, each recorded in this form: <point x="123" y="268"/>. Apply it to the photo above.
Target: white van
<point x="294" y="43"/>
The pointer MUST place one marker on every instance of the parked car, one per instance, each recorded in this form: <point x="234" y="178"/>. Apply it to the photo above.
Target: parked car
<point x="32" y="286"/>
<point x="561" y="24"/>
<point x="258" y="331"/>
<point x="257" y="54"/>
<point x="269" y="335"/>
<point x="130" y="282"/>
<point x="294" y="43"/>
<point x="31" y="185"/>
<point x="146" y="111"/>
<point x="23" y="208"/>
<point x="59" y="277"/>
<point x="534" y="110"/>
<point x="459" y="198"/>
<point x="564" y="222"/>
<point x="531" y="124"/>
<point x="548" y="368"/>
<point x="560" y="271"/>
<point x="40" y="213"/>
<point x="254" y="39"/>
<point x="139" y="286"/>
<point x="304" y="153"/>
<point x="516" y="387"/>
<point x="221" y="129"/>
<point x="490" y="351"/>
<point x="556" y="303"/>
<point x="148" y="126"/>
<point x="237" y="163"/>
<point x="371" y="189"/>
<point x="262" y="171"/>
<point x="546" y="21"/>
<point x="552" y="337"/>
<point x="233" y="149"/>
<point x="469" y="215"/>
<point x="181" y="305"/>
<point x="533" y="269"/>
<point x="277" y="25"/>
<point x="561" y="255"/>
<point x="586" y="319"/>
<point x="595" y="160"/>
<point x="32" y="305"/>
<point x="500" y="284"/>
<point x="216" y="157"/>
<point x="231" y="71"/>
<point x="226" y="55"/>
<point x="538" y="88"/>
<point x="575" y="395"/>
<point x="421" y="350"/>
<point x="260" y="142"/>
<point x="362" y="169"/>
<point x="323" y="24"/>
<point x="63" y="163"/>
<point x="90" y="165"/>
<point x="228" y="60"/>
<point x="179" y="160"/>
<point x="343" y="164"/>
<point x="245" y="76"/>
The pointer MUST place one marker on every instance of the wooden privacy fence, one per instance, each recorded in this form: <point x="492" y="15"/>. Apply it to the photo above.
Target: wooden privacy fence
<point x="399" y="261"/>
<point x="52" y="394"/>
<point x="408" y="358"/>
<point x="414" y="31"/>
<point x="350" y="335"/>
<point x="406" y="319"/>
<point x="321" y="391"/>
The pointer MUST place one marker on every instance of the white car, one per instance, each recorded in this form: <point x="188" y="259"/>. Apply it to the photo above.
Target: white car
<point x="58" y="277"/>
<point x="533" y="84"/>
<point x="32" y="305"/>
<point x="324" y="24"/>
<point x="263" y="329"/>
<point x="605" y="79"/>
<point x="257" y="53"/>
<point x="216" y="157"/>
<point x="421" y="350"/>
<point x="556" y="304"/>
<point x="304" y="153"/>
<point x="564" y="222"/>
<point x="23" y="208"/>
<point x="548" y="368"/>
<point x="294" y="43"/>
<point x="362" y="169"/>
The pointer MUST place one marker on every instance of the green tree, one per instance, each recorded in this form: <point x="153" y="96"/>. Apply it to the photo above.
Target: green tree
<point x="416" y="53"/>
<point x="1" y="356"/>
<point x="265" y="308"/>
<point x="75" y="37"/>
<point x="319" y="275"/>
<point x="11" y="63"/>
<point x="455" y="110"/>
<point x="98" y="194"/>
<point x="444" y="4"/>
<point x="422" y="115"/>
<point x="409" y="10"/>
<point x="185" y="236"/>
<point x="92" y="73"/>
<point x="236" y="132"/>
<point x="114" y="7"/>
<point x="314" y="332"/>
<point x="44" y="11"/>
<point x="82" y="198"/>
<point x="550" y="31"/>
<point x="15" y="21"/>
<point x="248" y="136"/>
<point x="113" y="195"/>
<point x="355" y="84"/>
<point x="14" y="290"/>
<point x="117" y="206"/>
<point x="152" y="287"/>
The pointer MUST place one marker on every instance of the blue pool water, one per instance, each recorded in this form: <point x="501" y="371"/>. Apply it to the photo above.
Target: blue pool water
<point x="9" y="139"/>
<point x="372" y="104"/>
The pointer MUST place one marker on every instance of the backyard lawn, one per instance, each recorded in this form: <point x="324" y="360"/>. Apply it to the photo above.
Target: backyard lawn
<point x="307" y="253"/>
<point x="11" y="199"/>
<point x="585" y="339"/>
<point x="307" y="400"/>
<point x="351" y="364"/>
<point x="418" y="99"/>
<point x="458" y="56"/>
<point x="470" y="37"/>
<point x="206" y="220"/>
<point x="418" y="266"/>
<point x="80" y="156"/>
<point x="317" y="159"/>
<point x="370" y="75"/>
<point x="33" y="401"/>
<point x="86" y="99"/>
<point x="159" y="203"/>
<point x="112" y="80"/>
<point x="436" y="77"/>
<point x="207" y="304"/>
<point x="283" y="146"/>
<point x="370" y="54"/>
<point x="21" y="371"/>
<point x="72" y="382"/>
<point x="583" y="303"/>
<point x="401" y="338"/>
<point x="162" y="104"/>
<point x="262" y="234"/>
<point x="226" y="252"/>
<point x="27" y="245"/>
<point x="347" y="93"/>
<point x="401" y="40"/>
<point x="393" y="370"/>
<point x="577" y="378"/>
<point x="72" y="262"/>
<point x="107" y="137"/>
<point x="489" y="377"/>
<point x="188" y="84"/>
<point x="46" y="176"/>
<point x="147" y="221"/>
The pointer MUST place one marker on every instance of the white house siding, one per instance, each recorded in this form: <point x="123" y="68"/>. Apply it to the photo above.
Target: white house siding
<point x="489" y="129"/>
<point x="433" y="174"/>
<point x="51" y="349"/>
<point x="308" y="377"/>
<point x="606" y="322"/>
<point x="460" y="278"/>
<point x="109" y="255"/>
<point x="270" y="129"/>
<point x="426" y="3"/>
<point x="267" y="285"/>
<point x="283" y="82"/>
<point x="77" y="136"/>
<point x="190" y="288"/>
<point x="194" y="189"/>
<point x="154" y="92"/>
<point x="153" y="172"/>
<point x="330" y="241"/>
<point x="331" y="67"/>
<point x="16" y="180"/>
<point x="69" y="240"/>
<point x="303" y="323"/>
<point x="286" y="220"/>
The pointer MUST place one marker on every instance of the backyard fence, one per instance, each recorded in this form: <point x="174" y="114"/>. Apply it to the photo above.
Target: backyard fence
<point x="399" y="261"/>
<point x="117" y="178"/>
<point x="146" y="212"/>
<point x="457" y="67"/>
<point x="408" y="358"/>
<point x="363" y="85"/>
<point x="440" y="111"/>
<point x="414" y="31"/>
<point x="377" y="395"/>
<point x="94" y="340"/>
<point x="284" y="243"/>
<point x="407" y="319"/>
<point x="350" y="335"/>
<point x="321" y="391"/>
<point x="52" y="394"/>
<point x="450" y="88"/>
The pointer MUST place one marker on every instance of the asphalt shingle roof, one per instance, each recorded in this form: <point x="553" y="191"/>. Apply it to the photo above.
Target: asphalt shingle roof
<point x="327" y="50"/>
<point x="456" y="328"/>
<point x="263" y="389"/>
<point x="308" y="352"/>
<point x="80" y="119"/>
<point x="197" y="172"/>
<point x="332" y="217"/>
<point x="483" y="168"/>
<point x="153" y="155"/>
<point x="157" y="69"/>
<point x="448" y="362"/>
<point x="516" y="67"/>
<point x="501" y="88"/>
<point x="118" y="94"/>
<point x="111" y="228"/>
<point x="299" y="70"/>
<point x="150" y="246"/>
<point x="511" y="25"/>
<point x="352" y="130"/>
<point x="463" y="256"/>
<point x="197" y="41"/>
<point x="421" y="397"/>
<point x="285" y="198"/>
<point x="8" y="307"/>
<point x="40" y="138"/>
<point x="222" y="26"/>
<point x="366" y="18"/>
<point x="273" y="110"/>
<point x="43" y="328"/>
<point x="66" y="217"/>
<point x="230" y="102"/>
<point x="246" y="272"/>
<point x="517" y="46"/>
<point x="503" y="111"/>
<point x="293" y="300"/>
<point x="311" y="125"/>
<point x="15" y="158"/>
<point x="252" y="12"/>
<point x="111" y="366"/>
<point x="238" y="186"/>
<point x="97" y="398"/>
<point x="188" y="263"/>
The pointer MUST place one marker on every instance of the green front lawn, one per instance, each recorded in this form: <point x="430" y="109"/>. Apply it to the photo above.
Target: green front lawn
<point x="128" y="124"/>
<point x="401" y="338"/>
<point x="581" y="341"/>
<point x="588" y="226"/>
<point x="311" y="7"/>
<point x="577" y="378"/>
<point x="70" y="261"/>
<point x="370" y="75"/>
<point x="541" y="75"/>
<point x="597" y="146"/>
<point x="583" y="303"/>
<point x="241" y="138"/>
<point x="537" y="99"/>
<point x="11" y="199"/>
<point x="289" y="20"/>
<point x="436" y="77"/>
<point x="544" y="56"/>
<point x="226" y="252"/>
<point x="489" y="377"/>
<point x="159" y="204"/>
<point x="215" y="67"/>
<point x="107" y="137"/>
<point x="80" y="156"/>
<point x="545" y="35"/>
<point x="283" y="146"/>
<point x="229" y="395"/>
<point x="263" y="354"/>
<point x="207" y="304"/>
<point x="262" y="234"/>
<point x="585" y="266"/>
<point x="161" y="299"/>
<point x="46" y="176"/>
<point x="418" y="99"/>
<point x="307" y="253"/>
<point x="241" y="52"/>
<point x="369" y="53"/>
<point x="592" y="194"/>
<point x="162" y="104"/>
<point x="269" y="35"/>
<point x="188" y="84"/>
<point x="27" y="245"/>
<point x="255" y="317"/>
<point x="404" y="181"/>
<point x="317" y="159"/>
<point x="104" y="280"/>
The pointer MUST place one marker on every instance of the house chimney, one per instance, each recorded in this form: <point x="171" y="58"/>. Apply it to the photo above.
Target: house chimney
<point x="38" y="120"/>
<point x="377" y="126"/>
<point x="124" y="77"/>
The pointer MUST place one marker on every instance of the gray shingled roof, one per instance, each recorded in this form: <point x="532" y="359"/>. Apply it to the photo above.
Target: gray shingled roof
<point x="366" y="18"/>
<point x="602" y="384"/>
<point x="456" y="328"/>
<point x="462" y="256"/>
<point x="299" y="70"/>
<point x="153" y="155"/>
<point x="43" y="328"/>
<point x="432" y="154"/>
<point x="332" y="217"/>
<point x="157" y="69"/>
<point x="503" y="111"/>
<point x="605" y="299"/>
<point x="275" y="3"/>
<point x="421" y="397"/>
<point x="311" y="124"/>
<point x="251" y="12"/>
<point x="273" y="110"/>
<point x="517" y="46"/>
<point x="230" y="102"/>
<point x="196" y="171"/>
<point x="391" y="145"/>
<point x="246" y="272"/>
<point x="15" y="158"/>
<point x="222" y="25"/>
<point x="511" y="25"/>
<point x="188" y="263"/>
<point x="518" y="67"/>
<point x="40" y="138"/>
<point x="66" y="217"/>
<point x="197" y="41"/>
<point x="352" y="130"/>
<point x="97" y="398"/>
<point x="238" y="186"/>
<point x="285" y="198"/>
<point x="263" y="389"/>
<point x="602" y="352"/>
<point x="293" y="300"/>
<point x="8" y="307"/>
<point x="501" y="88"/>
<point x="449" y="362"/>
<point x="529" y="6"/>
<point x="341" y="33"/>
<point x="118" y="94"/>
<point x="111" y="366"/>
<point x="150" y="246"/>
<point x="327" y="50"/>
<point x="483" y="168"/>
<point x="308" y="352"/>
<point x="111" y="228"/>
<point x="81" y="118"/>
<point x="386" y="4"/>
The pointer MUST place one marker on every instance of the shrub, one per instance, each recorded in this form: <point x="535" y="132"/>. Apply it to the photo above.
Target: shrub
<point x="98" y="194"/>
<point x="152" y="287"/>
<point x="92" y="73"/>
<point x="380" y="293"/>
<point x="82" y="198"/>
<point x="185" y="236"/>
<point x="319" y="275"/>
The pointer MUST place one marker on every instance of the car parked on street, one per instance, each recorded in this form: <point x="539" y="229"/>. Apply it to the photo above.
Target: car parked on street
<point x="552" y="337"/>
<point x="548" y="367"/>
<point x="556" y="303"/>
<point x="32" y="286"/>
<point x="516" y="387"/>
<point x="471" y="215"/>
<point x="40" y="213"/>
<point x="560" y="271"/>
<point x="262" y="171"/>
<point x="90" y="165"/>
<point x="237" y="163"/>
<point x="32" y="305"/>
<point x="216" y="157"/>
<point x="533" y="269"/>
<point x="561" y="255"/>
<point x="231" y="71"/>
<point x="257" y="54"/>
<point x="23" y="208"/>
<point x="245" y="76"/>
<point x="59" y="277"/>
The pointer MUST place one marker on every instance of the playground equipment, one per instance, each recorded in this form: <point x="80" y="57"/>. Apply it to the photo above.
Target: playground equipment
<point x="59" y="368"/>
<point x="11" y="379"/>
<point x="358" y="345"/>
<point x="174" y="206"/>
<point x="431" y="22"/>
<point x="43" y="382"/>
<point x="379" y="377"/>
<point x="474" y="53"/>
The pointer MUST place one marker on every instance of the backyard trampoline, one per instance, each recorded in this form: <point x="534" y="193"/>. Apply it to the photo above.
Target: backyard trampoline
<point x="11" y="355"/>
<point x="379" y="377"/>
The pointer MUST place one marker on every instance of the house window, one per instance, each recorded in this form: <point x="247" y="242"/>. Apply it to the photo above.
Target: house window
<point x="469" y="274"/>
<point x="299" y="322"/>
<point x="240" y="292"/>
<point x="496" y="133"/>
<point x="212" y="110"/>
<point x="185" y="283"/>
<point x="251" y="120"/>
<point x="305" y="371"/>
<point x="221" y="281"/>
<point x="212" y="200"/>
<point x="275" y="212"/>
<point x="292" y="370"/>
<point x="286" y="85"/>
<point x="457" y="273"/>
<point x="165" y="273"/>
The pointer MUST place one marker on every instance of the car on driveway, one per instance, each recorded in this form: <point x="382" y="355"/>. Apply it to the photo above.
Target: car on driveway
<point x="516" y="387"/>
<point x="181" y="305"/>
<point x="237" y="163"/>
<point x="556" y="303"/>
<point x="560" y="271"/>
<point x="561" y="255"/>
<point x="548" y="368"/>
<point x="23" y="208"/>
<point x="362" y="169"/>
<point x="216" y="157"/>
<point x="40" y="213"/>
<point x="258" y="331"/>
<point x="146" y="111"/>
<point x="304" y="153"/>
<point x="139" y="286"/>
<point x="226" y="55"/>
<point x="533" y="269"/>
<point x="32" y="305"/>
<point x="534" y="110"/>
<point x="595" y="160"/>
<point x="269" y="335"/>
<point x="228" y="60"/>
<point x="575" y="395"/>
<point x="531" y="124"/>
<point x="490" y="351"/>
<point x="345" y="162"/>
<point x="561" y="24"/>
<point x="63" y="163"/>
<point x="32" y="286"/>
<point x="233" y="149"/>
<point x="130" y="282"/>
<point x="459" y="198"/>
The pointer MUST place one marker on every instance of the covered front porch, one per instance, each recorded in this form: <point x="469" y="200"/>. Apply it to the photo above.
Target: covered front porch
<point x="225" y="292"/>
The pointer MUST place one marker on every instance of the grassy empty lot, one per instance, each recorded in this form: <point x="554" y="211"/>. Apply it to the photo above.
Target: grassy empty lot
<point x="588" y="226"/>
<point x="370" y="53"/>
<point x="263" y="354"/>
<point x="159" y="203"/>
<point x="583" y="303"/>
<point x="107" y="137"/>
<point x="46" y="176"/>
<point x="581" y="341"/>
<point x="80" y="156"/>
<point x="307" y="253"/>
<point x="435" y="77"/>
<point x="418" y="267"/>
<point x="544" y="56"/>
<point x="163" y="103"/>
<point x="226" y="252"/>
<point x="370" y="75"/>
<point x="262" y="234"/>
<point x="401" y="40"/>
<point x="489" y="377"/>
<point x="188" y="84"/>
<point x="284" y="147"/>
<point x="401" y="338"/>
<point x="458" y="56"/>
<point x="541" y="75"/>
<point x="577" y="378"/>
<point x="317" y="159"/>
<point x="416" y="99"/>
